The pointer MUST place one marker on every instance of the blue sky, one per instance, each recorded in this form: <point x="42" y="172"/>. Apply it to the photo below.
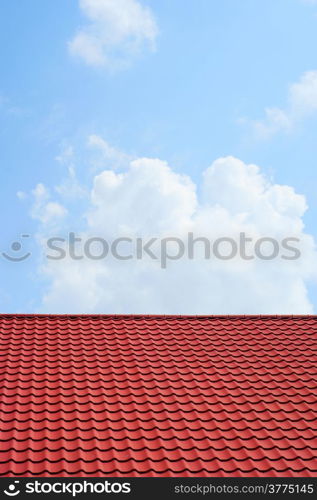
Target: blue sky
<point x="191" y="99"/>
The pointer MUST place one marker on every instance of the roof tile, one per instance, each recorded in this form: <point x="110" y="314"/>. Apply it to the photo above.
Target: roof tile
<point x="158" y="395"/>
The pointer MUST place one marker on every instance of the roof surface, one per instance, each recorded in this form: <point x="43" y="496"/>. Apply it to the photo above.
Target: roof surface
<point x="158" y="395"/>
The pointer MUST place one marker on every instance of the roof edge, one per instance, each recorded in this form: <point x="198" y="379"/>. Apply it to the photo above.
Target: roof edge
<point x="95" y="315"/>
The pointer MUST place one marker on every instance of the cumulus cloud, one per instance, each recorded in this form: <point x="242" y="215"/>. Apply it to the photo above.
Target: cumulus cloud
<point x="301" y="104"/>
<point x="116" y="32"/>
<point x="148" y="199"/>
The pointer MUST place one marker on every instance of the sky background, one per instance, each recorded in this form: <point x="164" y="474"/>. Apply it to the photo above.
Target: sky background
<point x="89" y="87"/>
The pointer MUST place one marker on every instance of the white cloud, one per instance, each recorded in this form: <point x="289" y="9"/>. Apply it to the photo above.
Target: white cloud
<point x="66" y="156"/>
<point x="21" y="195"/>
<point x="108" y="155"/>
<point x="149" y="199"/>
<point x="69" y="188"/>
<point x="43" y="209"/>
<point x="301" y="104"/>
<point x="117" y="31"/>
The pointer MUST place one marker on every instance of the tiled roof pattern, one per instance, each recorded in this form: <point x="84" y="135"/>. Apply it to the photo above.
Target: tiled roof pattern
<point x="158" y="395"/>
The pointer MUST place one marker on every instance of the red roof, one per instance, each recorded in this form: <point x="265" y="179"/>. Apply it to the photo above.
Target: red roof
<point x="158" y="395"/>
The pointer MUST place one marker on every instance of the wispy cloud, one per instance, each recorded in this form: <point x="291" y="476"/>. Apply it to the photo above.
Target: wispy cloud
<point x="301" y="104"/>
<point x="117" y="31"/>
<point x="45" y="210"/>
<point x="107" y="154"/>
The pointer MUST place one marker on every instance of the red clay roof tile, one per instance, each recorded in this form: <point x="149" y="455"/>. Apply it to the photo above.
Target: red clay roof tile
<point x="158" y="395"/>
